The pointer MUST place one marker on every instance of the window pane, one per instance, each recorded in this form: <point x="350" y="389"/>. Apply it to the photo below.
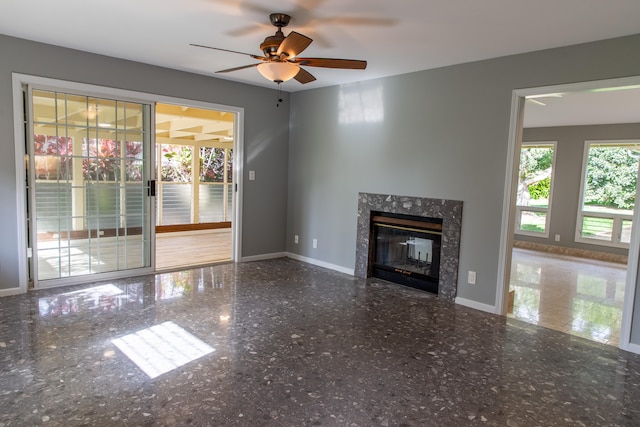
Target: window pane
<point x="134" y="170"/>
<point x="44" y="107"/>
<point x="610" y="181"/>
<point x="133" y="148"/>
<point x="625" y="234"/>
<point x="211" y="203"/>
<point x="106" y="113"/>
<point x="534" y="180"/>
<point x="53" y="206"/>
<point x="176" y="163"/>
<point x="597" y="228"/>
<point x="533" y="221"/>
<point x="132" y="116"/>
<point x="135" y="195"/>
<point x="52" y="157"/>
<point x="74" y="110"/>
<point x="212" y="164"/>
<point x="176" y="204"/>
<point x="103" y="205"/>
<point x="103" y="162"/>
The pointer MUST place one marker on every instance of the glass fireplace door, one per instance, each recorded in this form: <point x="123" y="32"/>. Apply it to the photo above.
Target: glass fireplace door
<point x="406" y="249"/>
<point x="89" y="174"/>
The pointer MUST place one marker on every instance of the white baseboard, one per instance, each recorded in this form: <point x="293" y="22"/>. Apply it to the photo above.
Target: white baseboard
<point x="263" y="257"/>
<point x="10" y="291"/>
<point x="349" y="271"/>
<point x="477" y="305"/>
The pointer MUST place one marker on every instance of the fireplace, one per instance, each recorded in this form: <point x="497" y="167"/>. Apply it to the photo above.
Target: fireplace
<point x="407" y="249"/>
<point x="439" y="222"/>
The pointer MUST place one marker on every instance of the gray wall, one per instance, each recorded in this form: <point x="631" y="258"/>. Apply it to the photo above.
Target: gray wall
<point x="266" y="134"/>
<point x="438" y="133"/>
<point x="568" y="175"/>
<point x="444" y="134"/>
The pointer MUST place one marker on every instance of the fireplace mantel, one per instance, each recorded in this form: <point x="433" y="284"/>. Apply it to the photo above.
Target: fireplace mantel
<point x="450" y="211"/>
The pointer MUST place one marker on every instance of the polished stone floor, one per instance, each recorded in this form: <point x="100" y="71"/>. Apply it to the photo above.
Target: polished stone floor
<point x="576" y="296"/>
<point x="283" y="343"/>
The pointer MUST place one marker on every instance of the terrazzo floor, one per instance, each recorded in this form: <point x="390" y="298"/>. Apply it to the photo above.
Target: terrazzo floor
<point x="283" y="343"/>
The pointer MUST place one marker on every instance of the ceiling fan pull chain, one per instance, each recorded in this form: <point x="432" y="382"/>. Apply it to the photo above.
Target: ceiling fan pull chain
<point x="279" y="95"/>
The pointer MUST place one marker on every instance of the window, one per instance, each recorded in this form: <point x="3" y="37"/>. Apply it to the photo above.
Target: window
<point x="196" y="183"/>
<point x="608" y="193"/>
<point x="535" y="177"/>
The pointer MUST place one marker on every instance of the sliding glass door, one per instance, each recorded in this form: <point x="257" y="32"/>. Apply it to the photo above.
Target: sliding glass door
<point x="88" y="182"/>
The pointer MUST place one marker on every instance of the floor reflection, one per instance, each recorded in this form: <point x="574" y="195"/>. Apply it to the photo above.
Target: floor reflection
<point x="110" y="297"/>
<point x="572" y="295"/>
<point x="104" y="298"/>
<point x="175" y="284"/>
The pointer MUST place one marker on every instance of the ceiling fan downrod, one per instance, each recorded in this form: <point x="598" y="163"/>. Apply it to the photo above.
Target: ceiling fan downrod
<point x="271" y="43"/>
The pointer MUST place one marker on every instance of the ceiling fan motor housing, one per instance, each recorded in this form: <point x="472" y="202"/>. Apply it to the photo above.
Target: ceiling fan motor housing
<point x="271" y="43"/>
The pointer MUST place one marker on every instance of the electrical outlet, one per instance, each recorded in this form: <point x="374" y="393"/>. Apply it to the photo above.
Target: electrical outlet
<point x="557" y="237"/>
<point x="472" y="278"/>
<point x="252" y="175"/>
<point x="315" y="243"/>
<point x="295" y="239"/>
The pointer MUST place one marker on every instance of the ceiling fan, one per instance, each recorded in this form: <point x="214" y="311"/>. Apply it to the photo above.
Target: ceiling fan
<point x="281" y="62"/>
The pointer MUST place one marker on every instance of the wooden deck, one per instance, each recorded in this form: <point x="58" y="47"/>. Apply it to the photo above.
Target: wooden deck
<point x="183" y="249"/>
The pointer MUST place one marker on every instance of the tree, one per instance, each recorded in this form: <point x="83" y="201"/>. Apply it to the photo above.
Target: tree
<point x="176" y="163"/>
<point x="611" y="178"/>
<point x="535" y="167"/>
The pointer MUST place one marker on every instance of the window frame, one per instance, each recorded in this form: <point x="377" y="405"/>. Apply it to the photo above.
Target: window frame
<point x="618" y="219"/>
<point x="519" y="209"/>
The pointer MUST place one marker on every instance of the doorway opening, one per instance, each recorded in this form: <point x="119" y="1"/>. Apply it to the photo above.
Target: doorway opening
<point x="195" y="185"/>
<point x="540" y="235"/>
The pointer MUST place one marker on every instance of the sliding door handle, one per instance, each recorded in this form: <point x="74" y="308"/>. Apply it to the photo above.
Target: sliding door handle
<point x="151" y="191"/>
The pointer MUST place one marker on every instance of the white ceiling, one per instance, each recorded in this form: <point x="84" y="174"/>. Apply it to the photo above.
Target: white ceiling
<point x="592" y="107"/>
<point x="395" y="37"/>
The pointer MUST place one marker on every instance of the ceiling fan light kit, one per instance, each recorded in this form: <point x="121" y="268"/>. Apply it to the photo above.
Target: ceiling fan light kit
<point x="278" y="71"/>
<point x="280" y="61"/>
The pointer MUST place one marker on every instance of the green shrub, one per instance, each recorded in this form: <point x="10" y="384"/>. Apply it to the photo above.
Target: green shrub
<point x="541" y="189"/>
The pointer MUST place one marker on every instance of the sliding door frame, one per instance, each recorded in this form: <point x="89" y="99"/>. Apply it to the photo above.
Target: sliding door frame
<point x="19" y="106"/>
<point x="238" y="162"/>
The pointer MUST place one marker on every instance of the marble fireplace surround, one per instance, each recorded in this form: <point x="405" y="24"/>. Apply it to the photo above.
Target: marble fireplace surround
<point x="450" y="211"/>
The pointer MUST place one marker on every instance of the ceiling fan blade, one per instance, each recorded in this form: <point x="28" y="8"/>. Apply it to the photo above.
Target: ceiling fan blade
<point x="262" y="58"/>
<point x="304" y="76"/>
<point x="294" y="44"/>
<point x="352" y="64"/>
<point x="237" y="68"/>
<point x="241" y="32"/>
<point x="378" y="22"/>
